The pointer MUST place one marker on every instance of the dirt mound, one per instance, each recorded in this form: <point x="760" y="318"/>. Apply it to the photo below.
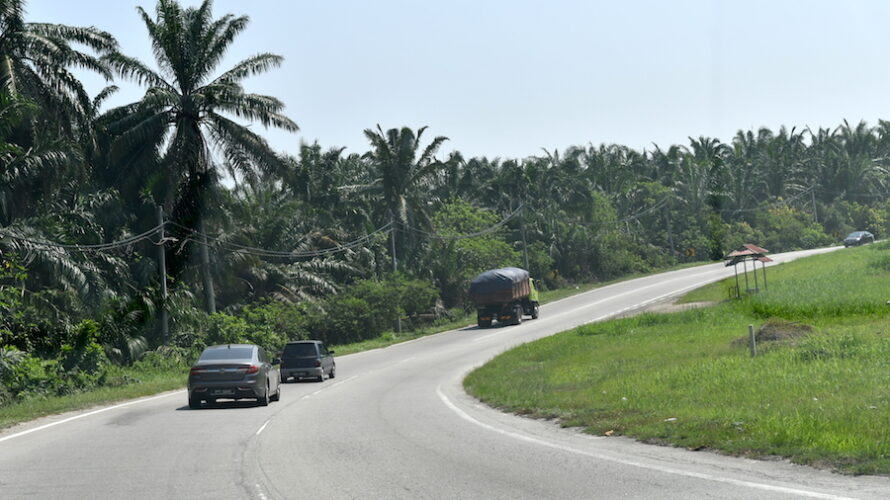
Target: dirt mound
<point x="777" y="331"/>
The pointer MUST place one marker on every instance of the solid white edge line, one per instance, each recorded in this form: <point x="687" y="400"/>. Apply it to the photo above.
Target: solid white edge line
<point x="94" y="412"/>
<point x="263" y="427"/>
<point x="598" y="456"/>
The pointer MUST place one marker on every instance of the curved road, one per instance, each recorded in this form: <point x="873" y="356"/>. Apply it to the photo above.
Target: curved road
<point x="395" y="423"/>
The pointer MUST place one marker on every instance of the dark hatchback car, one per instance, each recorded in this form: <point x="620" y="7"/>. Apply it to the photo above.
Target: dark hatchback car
<point x="307" y="359"/>
<point x="234" y="371"/>
<point x="858" y="238"/>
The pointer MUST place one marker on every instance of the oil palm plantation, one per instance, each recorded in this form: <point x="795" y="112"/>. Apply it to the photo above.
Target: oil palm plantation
<point x="188" y="118"/>
<point x="36" y="59"/>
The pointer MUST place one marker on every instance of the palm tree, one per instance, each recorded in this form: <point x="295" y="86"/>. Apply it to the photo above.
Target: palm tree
<point x="183" y="116"/>
<point x="35" y="59"/>
<point x="401" y="180"/>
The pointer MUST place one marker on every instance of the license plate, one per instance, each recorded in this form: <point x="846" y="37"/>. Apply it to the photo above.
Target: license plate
<point x="221" y="392"/>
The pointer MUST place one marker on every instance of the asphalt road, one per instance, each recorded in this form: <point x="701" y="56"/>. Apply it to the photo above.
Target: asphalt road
<point x="395" y="423"/>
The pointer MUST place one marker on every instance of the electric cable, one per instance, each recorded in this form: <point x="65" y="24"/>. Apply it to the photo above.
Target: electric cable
<point x="262" y="252"/>
<point x="100" y="247"/>
<point x="471" y="235"/>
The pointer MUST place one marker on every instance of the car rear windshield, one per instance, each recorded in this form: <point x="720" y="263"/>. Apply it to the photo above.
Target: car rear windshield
<point x="239" y="352"/>
<point x="299" y="351"/>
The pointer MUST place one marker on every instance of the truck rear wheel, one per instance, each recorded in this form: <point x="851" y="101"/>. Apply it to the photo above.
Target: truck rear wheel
<point x="535" y="311"/>
<point x="517" y="314"/>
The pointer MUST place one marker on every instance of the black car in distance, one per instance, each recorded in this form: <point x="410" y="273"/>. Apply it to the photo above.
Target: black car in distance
<point x="234" y="371"/>
<point x="307" y="359"/>
<point x="858" y="238"/>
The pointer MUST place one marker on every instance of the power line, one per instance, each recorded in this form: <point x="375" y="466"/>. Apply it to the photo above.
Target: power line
<point x="471" y="235"/>
<point x="262" y="252"/>
<point x="771" y="205"/>
<point x="637" y="215"/>
<point x="101" y="247"/>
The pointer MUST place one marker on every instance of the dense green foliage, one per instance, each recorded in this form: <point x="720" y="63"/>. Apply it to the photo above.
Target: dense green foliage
<point x="815" y="393"/>
<point x="266" y="247"/>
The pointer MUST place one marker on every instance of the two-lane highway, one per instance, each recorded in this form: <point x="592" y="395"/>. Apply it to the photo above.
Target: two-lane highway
<point x="395" y="423"/>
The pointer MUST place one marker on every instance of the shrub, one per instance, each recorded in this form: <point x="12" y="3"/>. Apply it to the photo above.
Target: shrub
<point x="284" y="320"/>
<point x="83" y="360"/>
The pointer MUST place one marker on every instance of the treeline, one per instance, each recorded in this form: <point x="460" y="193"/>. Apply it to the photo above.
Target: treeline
<point x="265" y="247"/>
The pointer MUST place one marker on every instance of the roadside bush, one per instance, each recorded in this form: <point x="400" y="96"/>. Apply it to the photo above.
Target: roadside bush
<point x="31" y="331"/>
<point x="83" y="360"/>
<point x="348" y="319"/>
<point x="370" y="308"/>
<point x="224" y="328"/>
<point x="540" y="263"/>
<point x="286" y="321"/>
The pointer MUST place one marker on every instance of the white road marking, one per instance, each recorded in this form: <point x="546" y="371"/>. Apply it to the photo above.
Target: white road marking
<point x="659" y="468"/>
<point x="76" y="417"/>
<point x="259" y="492"/>
<point x="330" y="386"/>
<point x="263" y="427"/>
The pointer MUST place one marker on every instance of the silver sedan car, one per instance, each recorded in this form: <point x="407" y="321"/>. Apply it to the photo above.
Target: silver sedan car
<point x="234" y="371"/>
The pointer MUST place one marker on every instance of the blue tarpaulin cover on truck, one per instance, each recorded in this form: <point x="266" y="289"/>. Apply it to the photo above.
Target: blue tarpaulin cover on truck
<point x="497" y="280"/>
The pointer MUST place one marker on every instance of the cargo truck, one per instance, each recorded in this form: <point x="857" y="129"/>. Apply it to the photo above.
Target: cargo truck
<point x="504" y="295"/>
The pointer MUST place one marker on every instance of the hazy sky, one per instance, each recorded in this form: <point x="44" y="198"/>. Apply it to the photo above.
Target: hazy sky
<point x="505" y="78"/>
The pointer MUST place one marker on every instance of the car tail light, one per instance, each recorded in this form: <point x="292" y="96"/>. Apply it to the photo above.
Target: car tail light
<point x="317" y="362"/>
<point x="252" y="369"/>
<point x="196" y="371"/>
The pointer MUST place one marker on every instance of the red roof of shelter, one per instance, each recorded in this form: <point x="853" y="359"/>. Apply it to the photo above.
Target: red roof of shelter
<point x="748" y="249"/>
<point x="755" y="248"/>
<point x="745" y="251"/>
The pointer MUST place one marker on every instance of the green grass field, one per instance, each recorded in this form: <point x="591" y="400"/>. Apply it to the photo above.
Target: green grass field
<point x="818" y="392"/>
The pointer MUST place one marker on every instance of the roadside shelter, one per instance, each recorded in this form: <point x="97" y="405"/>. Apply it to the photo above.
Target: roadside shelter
<point x="743" y="255"/>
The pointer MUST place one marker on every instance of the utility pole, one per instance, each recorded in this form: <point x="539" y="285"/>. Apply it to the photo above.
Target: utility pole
<point x="522" y="230"/>
<point x="392" y="241"/>
<point x="667" y="215"/>
<point x="162" y="267"/>
<point x="813" y="198"/>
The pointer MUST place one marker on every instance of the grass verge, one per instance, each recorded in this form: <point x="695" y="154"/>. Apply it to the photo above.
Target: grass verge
<point x="33" y="408"/>
<point x="816" y="393"/>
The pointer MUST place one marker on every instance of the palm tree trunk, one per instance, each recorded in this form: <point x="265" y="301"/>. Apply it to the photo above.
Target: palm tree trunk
<point x="209" y="296"/>
<point x="392" y="241"/>
<point x="395" y="262"/>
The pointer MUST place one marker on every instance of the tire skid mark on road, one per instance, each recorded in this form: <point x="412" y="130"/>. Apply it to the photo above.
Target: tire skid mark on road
<point x="88" y="414"/>
<point x="668" y="470"/>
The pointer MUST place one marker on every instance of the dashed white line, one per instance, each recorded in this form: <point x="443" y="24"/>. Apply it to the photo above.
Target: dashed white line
<point x="331" y="386"/>
<point x="263" y="427"/>
<point x="259" y="492"/>
<point x="668" y="470"/>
